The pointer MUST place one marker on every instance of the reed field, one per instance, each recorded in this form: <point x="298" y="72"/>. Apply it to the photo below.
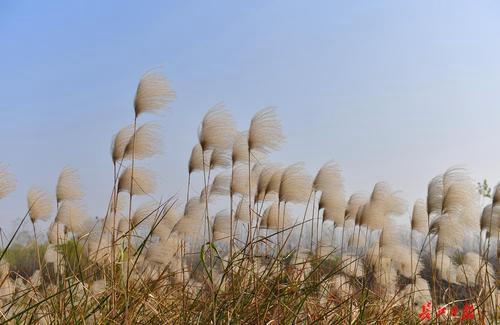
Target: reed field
<point x="258" y="242"/>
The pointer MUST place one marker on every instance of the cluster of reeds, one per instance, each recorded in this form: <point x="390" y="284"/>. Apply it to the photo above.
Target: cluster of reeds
<point x="256" y="242"/>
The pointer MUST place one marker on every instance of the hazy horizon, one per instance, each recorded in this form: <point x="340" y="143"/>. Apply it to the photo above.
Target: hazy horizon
<point x="391" y="91"/>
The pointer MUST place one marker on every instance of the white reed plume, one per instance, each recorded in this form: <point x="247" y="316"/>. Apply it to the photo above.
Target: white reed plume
<point x="263" y="182"/>
<point x="381" y="192"/>
<point x="419" y="217"/>
<point x="39" y="204"/>
<point x="272" y="220"/>
<point x="194" y="208"/>
<point x="383" y="203"/>
<point x="295" y="184"/>
<point x="188" y="226"/>
<point x="334" y="206"/>
<point x="406" y="263"/>
<point x="242" y="213"/>
<point x="329" y="178"/>
<point x="7" y="182"/>
<point x="265" y="132"/>
<point x="153" y="93"/>
<point x="373" y="215"/>
<point x="217" y="129"/>
<point x="219" y="159"/>
<point x="221" y="184"/>
<point x="196" y="159"/>
<point x="97" y="248"/>
<point x="490" y="220"/>
<point x="146" y="142"/>
<point x="73" y="216"/>
<point x="435" y="195"/>
<point x="354" y="204"/>
<point x="329" y="182"/>
<point x="239" y="180"/>
<point x="450" y="232"/>
<point x="144" y="181"/>
<point x="68" y="185"/>
<point x="275" y="182"/>
<point x="165" y="252"/>
<point x="191" y="222"/>
<point x="145" y="214"/>
<point x="240" y="148"/>
<point x="461" y="201"/>
<point x="167" y="221"/>
<point x="221" y="227"/>
<point x="120" y="142"/>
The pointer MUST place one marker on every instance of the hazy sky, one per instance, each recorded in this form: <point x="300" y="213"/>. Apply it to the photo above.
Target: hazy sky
<point x="392" y="90"/>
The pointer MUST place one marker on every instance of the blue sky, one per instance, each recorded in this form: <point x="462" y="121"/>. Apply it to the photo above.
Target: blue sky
<point x="392" y="90"/>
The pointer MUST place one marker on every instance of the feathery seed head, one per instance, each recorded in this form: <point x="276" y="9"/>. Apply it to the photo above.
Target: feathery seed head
<point x="153" y="93"/>
<point x="68" y="185"/>
<point x="217" y="129"/>
<point x="265" y="132"/>
<point x="420" y="218"/>
<point x="39" y="204"/>
<point x="120" y="142"/>
<point x="143" y="182"/>
<point x="73" y="216"/>
<point x="7" y="182"/>
<point x="296" y="184"/>
<point x="146" y="142"/>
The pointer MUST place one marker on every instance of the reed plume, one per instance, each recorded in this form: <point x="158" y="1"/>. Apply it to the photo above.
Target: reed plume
<point x="490" y="220"/>
<point x="167" y="221"/>
<point x="275" y="219"/>
<point x="265" y="132"/>
<point x="143" y="181"/>
<point x="7" y="182"/>
<point x="242" y="213"/>
<point x="39" y="204"/>
<point x="68" y="185"/>
<point x="120" y="142"/>
<point x="240" y="150"/>
<point x="217" y="129"/>
<point x="354" y="204"/>
<point x="145" y="213"/>
<point x="146" y="142"/>
<point x="295" y="185"/>
<point x="221" y="226"/>
<point x="419" y="217"/>
<point x="196" y="159"/>
<point x="153" y="93"/>
<point x="435" y="195"/>
<point x="263" y="182"/>
<point x="219" y="159"/>
<point x="239" y="180"/>
<point x="221" y="184"/>
<point x="73" y="216"/>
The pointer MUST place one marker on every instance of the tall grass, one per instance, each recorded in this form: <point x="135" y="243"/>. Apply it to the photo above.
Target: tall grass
<point x="258" y="243"/>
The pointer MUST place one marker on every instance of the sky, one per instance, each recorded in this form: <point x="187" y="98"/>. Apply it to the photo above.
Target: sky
<point x="391" y="90"/>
